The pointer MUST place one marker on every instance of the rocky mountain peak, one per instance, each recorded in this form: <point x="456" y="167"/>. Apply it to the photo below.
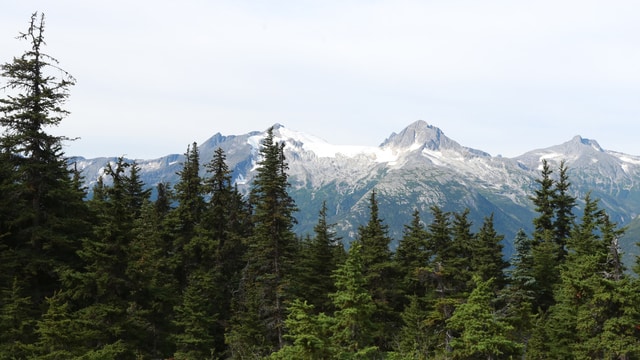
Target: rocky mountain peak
<point x="420" y="135"/>
<point x="580" y="141"/>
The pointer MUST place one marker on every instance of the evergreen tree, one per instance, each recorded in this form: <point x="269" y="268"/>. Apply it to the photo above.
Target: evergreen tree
<point x="486" y="259"/>
<point x="102" y="289"/>
<point x="563" y="205"/>
<point x="265" y="286"/>
<point x="154" y="287"/>
<point x="308" y="334"/>
<point x="189" y="194"/>
<point x="353" y="330"/>
<point x="43" y="215"/>
<point x="543" y="200"/>
<point x="412" y="257"/>
<point x="520" y="293"/>
<point x="380" y="273"/>
<point x="415" y="341"/>
<point x="593" y="299"/>
<point x="483" y="333"/>
<point x="319" y="257"/>
<point x="440" y="306"/>
<point x="216" y="251"/>
<point x="546" y="252"/>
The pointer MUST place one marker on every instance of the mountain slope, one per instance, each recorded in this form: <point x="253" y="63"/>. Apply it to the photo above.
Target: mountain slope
<point x="416" y="168"/>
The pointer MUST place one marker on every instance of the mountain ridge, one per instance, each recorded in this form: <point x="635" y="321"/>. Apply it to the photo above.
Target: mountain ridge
<point x="414" y="169"/>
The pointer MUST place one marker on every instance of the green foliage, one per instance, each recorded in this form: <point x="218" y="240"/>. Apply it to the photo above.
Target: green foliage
<point x="482" y="332"/>
<point x="353" y="329"/>
<point x="380" y="273"/>
<point x="266" y="282"/>
<point x="204" y="272"/>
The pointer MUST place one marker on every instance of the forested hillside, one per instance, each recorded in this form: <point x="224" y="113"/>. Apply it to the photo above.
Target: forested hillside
<point x="203" y="272"/>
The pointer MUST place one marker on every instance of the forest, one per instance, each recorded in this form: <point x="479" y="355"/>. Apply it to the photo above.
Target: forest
<point x="202" y="271"/>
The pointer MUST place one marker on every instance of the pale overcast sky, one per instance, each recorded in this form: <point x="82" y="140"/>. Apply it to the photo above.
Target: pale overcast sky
<point x="500" y="76"/>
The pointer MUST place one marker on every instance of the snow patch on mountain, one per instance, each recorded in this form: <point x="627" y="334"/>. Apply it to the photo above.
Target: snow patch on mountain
<point x="321" y="148"/>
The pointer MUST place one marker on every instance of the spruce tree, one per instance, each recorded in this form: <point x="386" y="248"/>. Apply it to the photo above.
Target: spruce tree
<point x="154" y="286"/>
<point x="594" y="299"/>
<point x="412" y="257"/>
<point x="265" y="286"/>
<point x="563" y="204"/>
<point x="546" y="251"/>
<point x="483" y="333"/>
<point x="319" y="256"/>
<point x="102" y="289"/>
<point x="42" y="209"/>
<point x="380" y="272"/>
<point x="486" y="260"/>
<point x="354" y="329"/>
<point x="520" y="292"/>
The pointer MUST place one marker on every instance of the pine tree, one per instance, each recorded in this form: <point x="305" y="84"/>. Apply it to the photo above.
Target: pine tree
<point x="154" y="287"/>
<point x="43" y="215"/>
<point x="483" y="333"/>
<point x="520" y="294"/>
<point x="440" y="306"/>
<point x="486" y="259"/>
<point x="189" y="193"/>
<point x="380" y="272"/>
<point x="412" y="257"/>
<point x="353" y="330"/>
<point x="546" y="252"/>
<point x="544" y="204"/>
<point x="102" y="290"/>
<point x="265" y="286"/>
<point x="594" y="297"/>
<point x="308" y="334"/>
<point x="216" y="252"/>
<point x="563" y="205"/>
<point x="319" y="257"/>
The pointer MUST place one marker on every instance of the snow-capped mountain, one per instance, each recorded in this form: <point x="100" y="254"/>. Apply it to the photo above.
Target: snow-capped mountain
<point x="414" y="169"/>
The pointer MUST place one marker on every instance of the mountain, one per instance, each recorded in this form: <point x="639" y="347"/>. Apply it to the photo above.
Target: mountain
<point x="414" y="169"/>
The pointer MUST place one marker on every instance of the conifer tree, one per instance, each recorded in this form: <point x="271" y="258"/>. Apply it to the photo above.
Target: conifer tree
<point x="593" y="299"/>
<point x="483" y="333"/>
<point x="154" y="287"/>
<point x="216" y="252"/>
<point x="519" y="294"/>
<point x="412" y="257"/>
<point x="43" y="215"/>
<point x="187" y="215"/>
<point x="353" y="330"/>
<point x="486" y="259"/>
<point x="319" y="257"/>
<point x="265" y="286"/>
<point x="546" y="251"/>
<point x="308" y="334"/>
<point x="563" y="204"/>
<point x="102" y="288"/>
<point x="380" y="272"/>
<point x="440" y="306"/>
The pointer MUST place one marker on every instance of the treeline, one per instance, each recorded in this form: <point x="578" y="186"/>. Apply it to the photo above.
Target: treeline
<point x="203" y="272"/>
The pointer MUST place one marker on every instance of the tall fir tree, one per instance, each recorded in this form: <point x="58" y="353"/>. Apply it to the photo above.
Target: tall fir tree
<point x="43" y="213"/>
<point x="266" y="279"/>
<point x="380" y="272"/>
<point x="412" y="257"/>
<point x="102" y="290"/>
<point x="483" y="332"/>
<point x="487" y="256"/>
<point x="563" y="204"/>
<point x="319" y="256"/>
<point x="354" y="330"/>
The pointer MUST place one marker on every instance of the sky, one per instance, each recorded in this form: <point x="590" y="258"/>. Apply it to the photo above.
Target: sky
<point x="504" y="76"/>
